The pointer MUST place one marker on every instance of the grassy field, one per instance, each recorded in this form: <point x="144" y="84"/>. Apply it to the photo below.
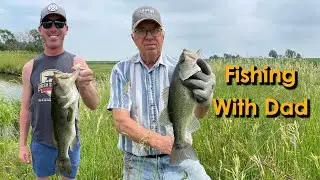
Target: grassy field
<point x="229" y="148"/>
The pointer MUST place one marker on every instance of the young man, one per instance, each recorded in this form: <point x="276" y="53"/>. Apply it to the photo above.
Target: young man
<point x="36" y="95"/>
<point x="136" y="109"/>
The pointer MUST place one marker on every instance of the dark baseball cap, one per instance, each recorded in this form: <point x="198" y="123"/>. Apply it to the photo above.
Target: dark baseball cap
<point x="53" y="9"/>
<point x="145" y="13"/>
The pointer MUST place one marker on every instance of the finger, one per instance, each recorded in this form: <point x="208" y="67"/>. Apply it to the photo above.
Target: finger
<point x="204" y="66"/>
<point x="200" y="75"/>
<point x="194" y="84"/>
<point x="85" y="72"/>
<point x="84" y="79"/>
<point x="76" y="65"/>
<point x="200" y="95"/>
<point x="75" y="68"/>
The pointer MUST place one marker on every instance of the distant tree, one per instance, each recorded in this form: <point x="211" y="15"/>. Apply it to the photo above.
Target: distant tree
<point x="273" y="54"/>
<point x="2" y="47"/>
<point x="298" y="56"/>
<point x="35" y="42"/>
<point x="214" y="57"/>
<point x="29" y="40"/>
<point x="13" y="45"/>
<point x="290" y="53"/>
<point x="6" y="35"/>
<point x="227" y="56"/>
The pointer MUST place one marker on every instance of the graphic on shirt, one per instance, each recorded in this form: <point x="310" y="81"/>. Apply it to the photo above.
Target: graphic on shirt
<point x="45" y="85"/>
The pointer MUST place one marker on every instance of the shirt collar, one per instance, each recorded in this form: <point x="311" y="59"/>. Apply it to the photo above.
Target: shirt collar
<point x="161" y="60"/>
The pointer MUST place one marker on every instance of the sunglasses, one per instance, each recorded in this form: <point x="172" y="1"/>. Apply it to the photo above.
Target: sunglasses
<point x="48" y="24"/>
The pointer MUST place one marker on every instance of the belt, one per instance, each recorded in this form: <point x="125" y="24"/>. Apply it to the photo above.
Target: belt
<point x="157" y="155"/>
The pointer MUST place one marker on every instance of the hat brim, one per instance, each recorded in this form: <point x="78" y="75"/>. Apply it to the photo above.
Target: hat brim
<point x="144" y="19"/>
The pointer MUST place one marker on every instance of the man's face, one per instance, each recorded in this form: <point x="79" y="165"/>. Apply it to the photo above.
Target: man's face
<point x="148" y="37"/>
<point x="53" y="36"/>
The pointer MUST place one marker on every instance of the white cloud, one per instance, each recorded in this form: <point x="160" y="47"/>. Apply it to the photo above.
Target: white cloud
<point x="2" y="11"/>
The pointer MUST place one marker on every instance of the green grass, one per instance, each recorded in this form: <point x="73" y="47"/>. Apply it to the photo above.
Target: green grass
<point x="229" y="148"/>
<point x="102" y="70"/>
<point x="12" y="61"/>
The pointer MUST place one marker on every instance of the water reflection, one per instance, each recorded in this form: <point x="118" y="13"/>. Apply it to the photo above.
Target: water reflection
<point x="10" y="87"/>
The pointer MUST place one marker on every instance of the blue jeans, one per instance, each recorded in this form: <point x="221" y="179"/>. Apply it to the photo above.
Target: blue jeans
<point x="44" y="157"/>
<point x="135" y="167"/>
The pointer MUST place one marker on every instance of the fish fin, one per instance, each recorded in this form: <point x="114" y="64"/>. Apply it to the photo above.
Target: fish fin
<point x="63" y="165"/>
<point x="165" y="95"/>
<point x="77" y="112"/>
<point x="199" y="53"/>
<point x="193" y="125"/>
<point x="68" y="104"/>
<point x="54" y="140"/>
<point x="182" y="152"/>
<point x="73" y="144"/>
<point x="70" y="114"/>
<point x="73" y="99"/>
<point x="164" y="118"/>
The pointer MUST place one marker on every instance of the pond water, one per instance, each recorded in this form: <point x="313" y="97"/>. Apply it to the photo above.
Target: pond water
<point x="10" y="87"/>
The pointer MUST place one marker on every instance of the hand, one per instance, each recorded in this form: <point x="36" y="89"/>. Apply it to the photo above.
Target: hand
<point x="164" y="144"/>
<point x="85" y="76"/>
<point x="202" y="84"/>
<point x="24" y="154"/>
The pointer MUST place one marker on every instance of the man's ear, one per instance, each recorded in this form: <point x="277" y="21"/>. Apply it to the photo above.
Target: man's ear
<point x="163" y="33"/>
<point x="39" y="29"/>
<point x="67" y="28"/>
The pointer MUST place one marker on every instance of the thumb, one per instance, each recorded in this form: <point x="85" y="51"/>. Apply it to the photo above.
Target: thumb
<point x="205" y="68"/>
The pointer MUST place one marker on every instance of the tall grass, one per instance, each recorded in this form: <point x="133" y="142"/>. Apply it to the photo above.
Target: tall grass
<point x="263" y="148"/>
<point x="12" y="61"/>
<point x="229" y="148"/>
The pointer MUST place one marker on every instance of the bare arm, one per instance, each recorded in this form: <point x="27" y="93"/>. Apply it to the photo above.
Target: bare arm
<point x="24" y="111"/>
<point x="88" y="91"/>
<point x="137" y="133"/>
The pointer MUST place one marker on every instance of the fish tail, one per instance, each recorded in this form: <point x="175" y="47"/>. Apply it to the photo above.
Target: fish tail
<point x="63" y="164"/>
<point x="182" y="152"/>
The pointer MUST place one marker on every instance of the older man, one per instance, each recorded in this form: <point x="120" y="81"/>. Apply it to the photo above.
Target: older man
<point x="36" y="95"/>
<point x="135" y="101"/>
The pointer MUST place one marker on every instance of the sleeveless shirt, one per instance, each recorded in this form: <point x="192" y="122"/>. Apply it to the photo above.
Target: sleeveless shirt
<point x="41" y="82"/>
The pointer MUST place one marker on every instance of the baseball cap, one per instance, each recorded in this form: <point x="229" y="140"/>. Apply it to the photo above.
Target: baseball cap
<point x="145" y="13"/>
<point x="53" y="9"/>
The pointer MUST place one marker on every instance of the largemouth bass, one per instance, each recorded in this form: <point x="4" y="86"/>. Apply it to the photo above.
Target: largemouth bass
<point x="180" y="108"/>
<point x="64" y="110"/>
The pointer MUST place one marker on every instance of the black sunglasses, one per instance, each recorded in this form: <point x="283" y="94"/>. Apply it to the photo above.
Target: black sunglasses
<point x="48" y="24"/>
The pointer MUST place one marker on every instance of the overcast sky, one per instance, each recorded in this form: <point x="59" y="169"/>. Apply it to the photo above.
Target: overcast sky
<point x="100" y="29"/>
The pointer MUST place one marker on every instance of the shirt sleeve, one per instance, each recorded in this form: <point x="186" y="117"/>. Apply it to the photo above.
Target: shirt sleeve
<point x="119" y="91"/>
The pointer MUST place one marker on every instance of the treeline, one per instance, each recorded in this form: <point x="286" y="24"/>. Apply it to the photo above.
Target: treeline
<point x="272" y="53"/>
<point x="25" y="41"/>
<point x="288" y="54"/>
